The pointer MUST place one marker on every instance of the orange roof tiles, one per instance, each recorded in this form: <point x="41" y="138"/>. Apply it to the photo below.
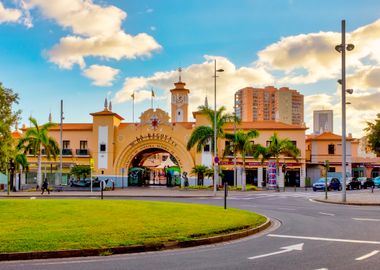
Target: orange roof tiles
<point x="326" y="136"/>
<point x="106" y="112"/>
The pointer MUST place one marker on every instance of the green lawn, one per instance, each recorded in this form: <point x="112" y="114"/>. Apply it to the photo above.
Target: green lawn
<point x="37" y="225"/>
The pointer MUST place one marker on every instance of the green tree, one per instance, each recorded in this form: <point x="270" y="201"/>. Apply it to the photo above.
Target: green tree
<point x="203" y="135"/>
<point x="7" y="119"/>
<point x="81" y="170"/>
<point x="243" y="144"/>
<point x="276" y="148"/>
<point x="37" y="138"/>
<point x="373" y="135"/>
<point x="199" y="171"/>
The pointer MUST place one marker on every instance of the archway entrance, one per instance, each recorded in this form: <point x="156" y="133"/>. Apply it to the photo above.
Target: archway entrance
<point x="154" y="167"/>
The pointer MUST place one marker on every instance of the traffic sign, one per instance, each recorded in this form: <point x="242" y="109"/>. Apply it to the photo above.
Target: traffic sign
<point x="216" y="159"/>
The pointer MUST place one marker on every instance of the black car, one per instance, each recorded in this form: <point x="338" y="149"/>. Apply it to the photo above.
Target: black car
<point x="366" y="182"/>
<point x="354" y="183"/>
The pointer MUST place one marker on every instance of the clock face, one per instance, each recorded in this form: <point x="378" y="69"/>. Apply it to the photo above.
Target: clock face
<point x="180" y="99"/>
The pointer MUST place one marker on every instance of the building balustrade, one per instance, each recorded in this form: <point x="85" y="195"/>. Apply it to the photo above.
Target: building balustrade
<point x="82" y="152"/>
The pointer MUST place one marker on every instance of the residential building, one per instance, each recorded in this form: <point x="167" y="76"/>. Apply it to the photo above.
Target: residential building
<point x="323" y="121"/>
<point x="270" y="104"/>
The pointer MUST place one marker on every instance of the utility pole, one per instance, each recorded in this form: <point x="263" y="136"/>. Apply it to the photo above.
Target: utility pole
<point x="60" y="143"/>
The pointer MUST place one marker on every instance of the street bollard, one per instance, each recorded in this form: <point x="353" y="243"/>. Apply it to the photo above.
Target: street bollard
<point x="225" y="194"/>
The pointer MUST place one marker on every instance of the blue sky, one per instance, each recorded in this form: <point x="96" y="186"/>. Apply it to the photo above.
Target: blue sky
<point x="83" y="51"/>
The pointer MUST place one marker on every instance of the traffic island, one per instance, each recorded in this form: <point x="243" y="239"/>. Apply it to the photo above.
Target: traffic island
<point x="70" y="228"/>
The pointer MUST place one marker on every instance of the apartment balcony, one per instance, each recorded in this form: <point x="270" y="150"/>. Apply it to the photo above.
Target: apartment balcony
<point x="82" y="152"/>
<point x="67" y="152"/>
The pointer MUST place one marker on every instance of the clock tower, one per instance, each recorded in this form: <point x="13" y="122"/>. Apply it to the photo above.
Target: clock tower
<point x="180" y="102"/>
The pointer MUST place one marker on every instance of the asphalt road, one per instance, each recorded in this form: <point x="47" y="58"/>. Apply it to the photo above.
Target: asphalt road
<point x="304" y="235"/>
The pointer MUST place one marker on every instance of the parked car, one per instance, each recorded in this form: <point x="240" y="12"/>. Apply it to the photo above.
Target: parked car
<point x="366" y="182"/>
<point x="332" y="184"/>
<point x="376" y="181"/>
<point x="353" y="183"/>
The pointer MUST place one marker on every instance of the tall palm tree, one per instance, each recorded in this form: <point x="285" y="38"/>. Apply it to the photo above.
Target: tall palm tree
<point x="35" y="139"/>
<point x="275" y="149"/>
<point x="242" y="143"/>
<point x="203" y="135"/>
<point x="21" y="163"/>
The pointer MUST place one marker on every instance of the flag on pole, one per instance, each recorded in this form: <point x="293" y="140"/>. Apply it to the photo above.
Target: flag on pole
<point x="133" y="96"/>
<point x="153" y="95"/>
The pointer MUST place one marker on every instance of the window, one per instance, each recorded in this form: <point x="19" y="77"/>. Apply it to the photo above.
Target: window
<point x="229" y="150"/>
<point x="331" y="149"/>
<point x="294" y="143"/>
<point x="102" y="147"/>
<point x="268" y="143"/>
<point x="66" y="145"/>
<point x="83" y="144"/>
<point x="331" y="169"/>
<point x="206" y="148"/>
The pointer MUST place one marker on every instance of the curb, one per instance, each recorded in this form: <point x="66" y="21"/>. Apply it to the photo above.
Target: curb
<point x="106" y="196"/>
<point x="132" y="249"/>
<point x="348" y="203"/>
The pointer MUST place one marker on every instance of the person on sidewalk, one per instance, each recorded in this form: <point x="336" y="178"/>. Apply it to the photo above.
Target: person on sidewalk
<point x="45" y="186"/>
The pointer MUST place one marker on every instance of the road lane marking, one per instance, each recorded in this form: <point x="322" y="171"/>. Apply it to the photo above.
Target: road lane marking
<point x="283" y="250"/>
<point x="367" y="255"/>
<point x="325" y="239"/>
<point x="366" y="219"/>
<point x="283" y="208"/>
<point x="326" y="214"/>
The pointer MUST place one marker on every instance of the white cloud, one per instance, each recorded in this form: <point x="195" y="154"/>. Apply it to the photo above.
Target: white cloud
<point x="96" y="32"/>
<point x="9" y="14"/>
<point x="73" y="49"/>
<point x="101" y="75"/>
<point x="198" y="79"/>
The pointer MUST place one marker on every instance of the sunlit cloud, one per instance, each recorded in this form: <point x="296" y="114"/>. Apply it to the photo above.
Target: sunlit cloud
<point x="9" y="15"/>
<point x="101" y="75"/>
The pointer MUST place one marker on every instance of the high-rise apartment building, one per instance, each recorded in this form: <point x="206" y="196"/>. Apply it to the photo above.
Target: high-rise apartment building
<point x="323" y="121"/>
<point x="269" y="103"/>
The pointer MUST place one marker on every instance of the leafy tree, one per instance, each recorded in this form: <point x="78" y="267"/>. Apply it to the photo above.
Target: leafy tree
<point x="35" y="139"/>
<point x="81" y="170"/>
<point x="275" y="149"/>
<point x="199" y="171"/>
<point x="203" y="135"/>
<point x="373" y="135"/>
<point x="242" y="143"/>
<point x="7" y="119"/>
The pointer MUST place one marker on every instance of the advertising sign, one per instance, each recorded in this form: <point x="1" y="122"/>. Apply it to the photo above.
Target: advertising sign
<point x="272" y="177"/>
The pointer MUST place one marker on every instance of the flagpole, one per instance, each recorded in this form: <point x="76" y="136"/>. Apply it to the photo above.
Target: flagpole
<point x="133" y="107"/>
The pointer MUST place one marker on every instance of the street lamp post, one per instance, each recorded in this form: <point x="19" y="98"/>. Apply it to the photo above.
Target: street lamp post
<point x="235" y="119"/>
<point x="342" y="49"/>
<point x="60" y="143"/>
<point x="216" y="159"/>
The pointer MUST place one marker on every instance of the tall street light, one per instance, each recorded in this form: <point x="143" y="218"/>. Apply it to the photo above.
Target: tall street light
<point x="216" y="159"/>
<point x="341" y="48"/>
<point x="60" y="143"/>
<point x="235" y="119"/>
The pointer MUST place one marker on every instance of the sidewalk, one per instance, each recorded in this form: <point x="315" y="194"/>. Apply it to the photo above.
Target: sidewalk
<point x="355" y="197"/>
<point x="127" y="192"/>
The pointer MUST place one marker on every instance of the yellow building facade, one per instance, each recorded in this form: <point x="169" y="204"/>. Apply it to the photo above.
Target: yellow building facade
<point x="114" y="146"/>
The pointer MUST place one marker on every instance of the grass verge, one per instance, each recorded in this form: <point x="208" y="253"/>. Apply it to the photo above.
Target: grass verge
<point x="49" y="225"/>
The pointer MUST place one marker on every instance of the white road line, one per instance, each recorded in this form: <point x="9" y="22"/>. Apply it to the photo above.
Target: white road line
<point x="326" y="214"/>
<point x="367" y="255"/>
<point x="322" y="269"/>
<point x="283" y="208"/>
<point x="325" y="239"/>
<point x="366" y="219"/>
<point x="298" y="247"/>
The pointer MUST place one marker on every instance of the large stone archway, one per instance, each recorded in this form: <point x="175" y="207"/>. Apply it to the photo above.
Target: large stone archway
<point x="179" y="152"/>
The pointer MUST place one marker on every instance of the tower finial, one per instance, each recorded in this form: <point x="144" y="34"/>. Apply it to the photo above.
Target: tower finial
<point x="179" y="71"/>
<point x="106" y="105"/>
<point x="50" y="118"/>
<point x="110" y="106"/>
<point x="206" y="102"/>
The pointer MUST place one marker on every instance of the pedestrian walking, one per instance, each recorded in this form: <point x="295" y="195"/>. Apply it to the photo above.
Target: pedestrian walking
<point x="45" y="186"/>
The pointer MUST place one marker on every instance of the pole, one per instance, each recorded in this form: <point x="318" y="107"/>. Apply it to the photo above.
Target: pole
<point x="326" y="170"/>
<point x="122" y="178"/>
<point x="133" y="107"/>
<point x="343" y="44"/>
<point x="8" y="178"/>
<point x="215" y="142"/>
<point x="60" y="144"/>
<point x="235" y="180"/>
<point x="101" y="189"/>
<point x="225" y="194"/>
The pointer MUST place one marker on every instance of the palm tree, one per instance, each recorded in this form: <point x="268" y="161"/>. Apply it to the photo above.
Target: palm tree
<point x="35" y="139"/>
<point x="203" y="135"/>
<point x="242" y="143"/>
<point x="199" y="171"/>
<point x="21" y="163"/>
<point x="275" y="149"/>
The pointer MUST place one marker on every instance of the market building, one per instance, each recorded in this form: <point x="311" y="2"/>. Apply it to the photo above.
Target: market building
<point x="115" y="148"/>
